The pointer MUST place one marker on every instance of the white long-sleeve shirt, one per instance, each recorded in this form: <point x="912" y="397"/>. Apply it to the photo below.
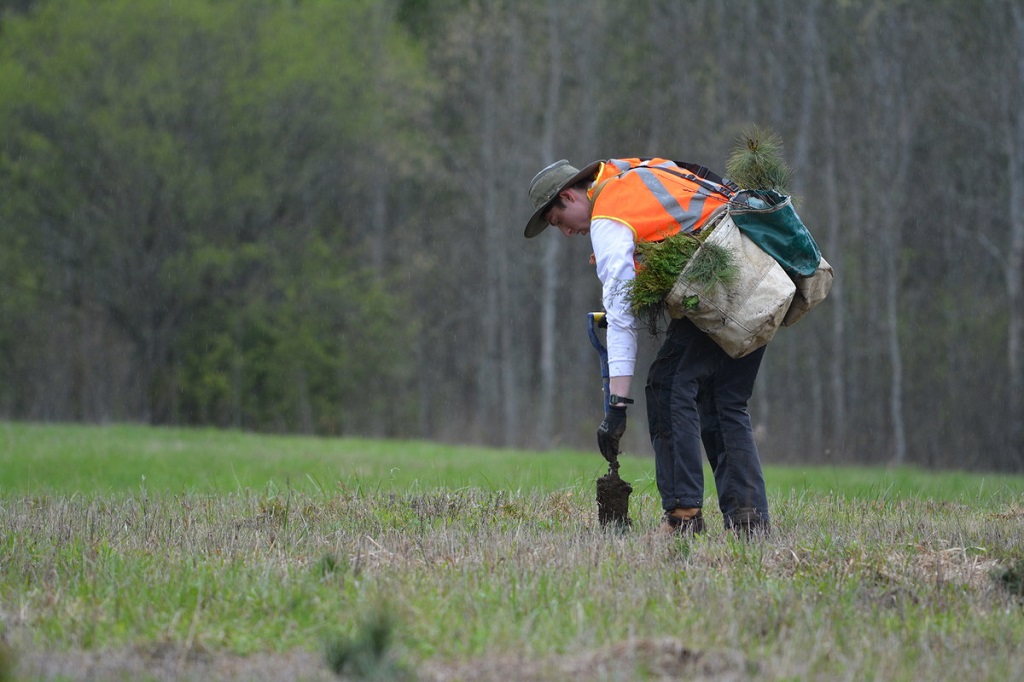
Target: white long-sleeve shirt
<point x="613" y="249"/>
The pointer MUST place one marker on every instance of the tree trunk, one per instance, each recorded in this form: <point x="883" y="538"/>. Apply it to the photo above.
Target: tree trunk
<point x="552" y="244"/>
<point x="1014" y="266"/>
<point x="891" y="150"/>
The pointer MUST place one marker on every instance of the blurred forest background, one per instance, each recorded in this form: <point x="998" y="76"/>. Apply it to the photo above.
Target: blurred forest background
<point x="306" y="216"/>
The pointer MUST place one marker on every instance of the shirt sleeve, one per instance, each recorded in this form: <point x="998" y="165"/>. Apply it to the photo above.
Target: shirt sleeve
<point x="613" y="250"/>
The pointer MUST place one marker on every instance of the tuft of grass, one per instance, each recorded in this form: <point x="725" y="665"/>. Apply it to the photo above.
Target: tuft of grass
<point x="273" y="510"/>
<point x="757" y="162"/>
<point x="329" y="565"/>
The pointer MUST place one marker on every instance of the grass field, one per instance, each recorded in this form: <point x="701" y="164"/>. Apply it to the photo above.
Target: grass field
<point x="134" y="553"/>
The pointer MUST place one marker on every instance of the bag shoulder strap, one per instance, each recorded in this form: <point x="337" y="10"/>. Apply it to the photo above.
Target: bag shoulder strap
<point x="705" y="172"/>
<point x="704" y="177"/>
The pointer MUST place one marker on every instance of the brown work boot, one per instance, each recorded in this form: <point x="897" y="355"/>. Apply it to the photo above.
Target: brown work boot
<point x="748" y="524"/>
<point x="682" y="521"/>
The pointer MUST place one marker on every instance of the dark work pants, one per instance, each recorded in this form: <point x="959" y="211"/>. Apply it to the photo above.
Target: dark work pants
<point x="697" y="393"/>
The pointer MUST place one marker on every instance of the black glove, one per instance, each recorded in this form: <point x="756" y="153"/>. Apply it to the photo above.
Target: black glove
<point x="610" y="431"/>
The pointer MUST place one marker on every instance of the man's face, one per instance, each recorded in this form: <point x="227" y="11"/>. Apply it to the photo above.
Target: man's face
<point x="573" y="216"/>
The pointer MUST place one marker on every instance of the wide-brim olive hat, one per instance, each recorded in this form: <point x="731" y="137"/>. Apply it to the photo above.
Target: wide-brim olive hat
<point x="546" y="185"/>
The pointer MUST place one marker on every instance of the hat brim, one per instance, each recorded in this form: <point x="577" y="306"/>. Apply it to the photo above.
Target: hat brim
<point x="537" y="223"/>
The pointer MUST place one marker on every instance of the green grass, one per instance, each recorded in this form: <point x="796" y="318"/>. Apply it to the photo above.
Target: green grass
<point x="400" y="559"/>
<point x="124" y="459"/>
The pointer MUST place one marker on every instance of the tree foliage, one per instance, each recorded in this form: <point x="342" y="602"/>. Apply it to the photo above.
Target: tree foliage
<point x="183" y="179"/>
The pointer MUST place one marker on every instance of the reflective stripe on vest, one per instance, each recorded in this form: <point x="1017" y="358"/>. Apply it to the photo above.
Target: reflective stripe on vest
<point x="682" y="216"/>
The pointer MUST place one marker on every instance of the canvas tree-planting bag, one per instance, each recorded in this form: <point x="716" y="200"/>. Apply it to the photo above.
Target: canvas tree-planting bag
<point x="771" y="221"/>
<point x="810" y="291"/>
<point x="745" y="314"/>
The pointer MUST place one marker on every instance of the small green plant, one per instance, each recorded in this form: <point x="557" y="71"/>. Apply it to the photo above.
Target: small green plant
<point x="367" y="654"/>
<point x="273" y="510"/>
<point x="1012" y="578"/>
<point x="682" y="548"/>
<point x="329" y="565"/>
<point x="757" y="162"/>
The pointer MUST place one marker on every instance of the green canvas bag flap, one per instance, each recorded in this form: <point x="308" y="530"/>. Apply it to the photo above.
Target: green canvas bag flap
<point x="770" y="221"/>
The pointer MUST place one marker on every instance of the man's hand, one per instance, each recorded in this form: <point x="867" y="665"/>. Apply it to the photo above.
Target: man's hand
<point x="609" y="433"/>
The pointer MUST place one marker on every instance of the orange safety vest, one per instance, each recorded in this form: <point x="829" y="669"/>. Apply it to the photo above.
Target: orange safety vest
<point x="656" y="198"/>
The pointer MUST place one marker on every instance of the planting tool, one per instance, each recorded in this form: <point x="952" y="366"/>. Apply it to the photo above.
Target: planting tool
<point x="612" y="492"/>
<point x="594" y="321"/>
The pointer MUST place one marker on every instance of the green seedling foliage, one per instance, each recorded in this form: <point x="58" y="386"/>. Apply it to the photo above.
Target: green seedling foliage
<point x="757" y="162"/>
<point x="662" y="262"/>
<point x="660" y="265"/>
<point x="713" y="265"/>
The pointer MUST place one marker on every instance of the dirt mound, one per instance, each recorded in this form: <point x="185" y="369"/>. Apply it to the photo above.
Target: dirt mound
<point x="613" y="500"/>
